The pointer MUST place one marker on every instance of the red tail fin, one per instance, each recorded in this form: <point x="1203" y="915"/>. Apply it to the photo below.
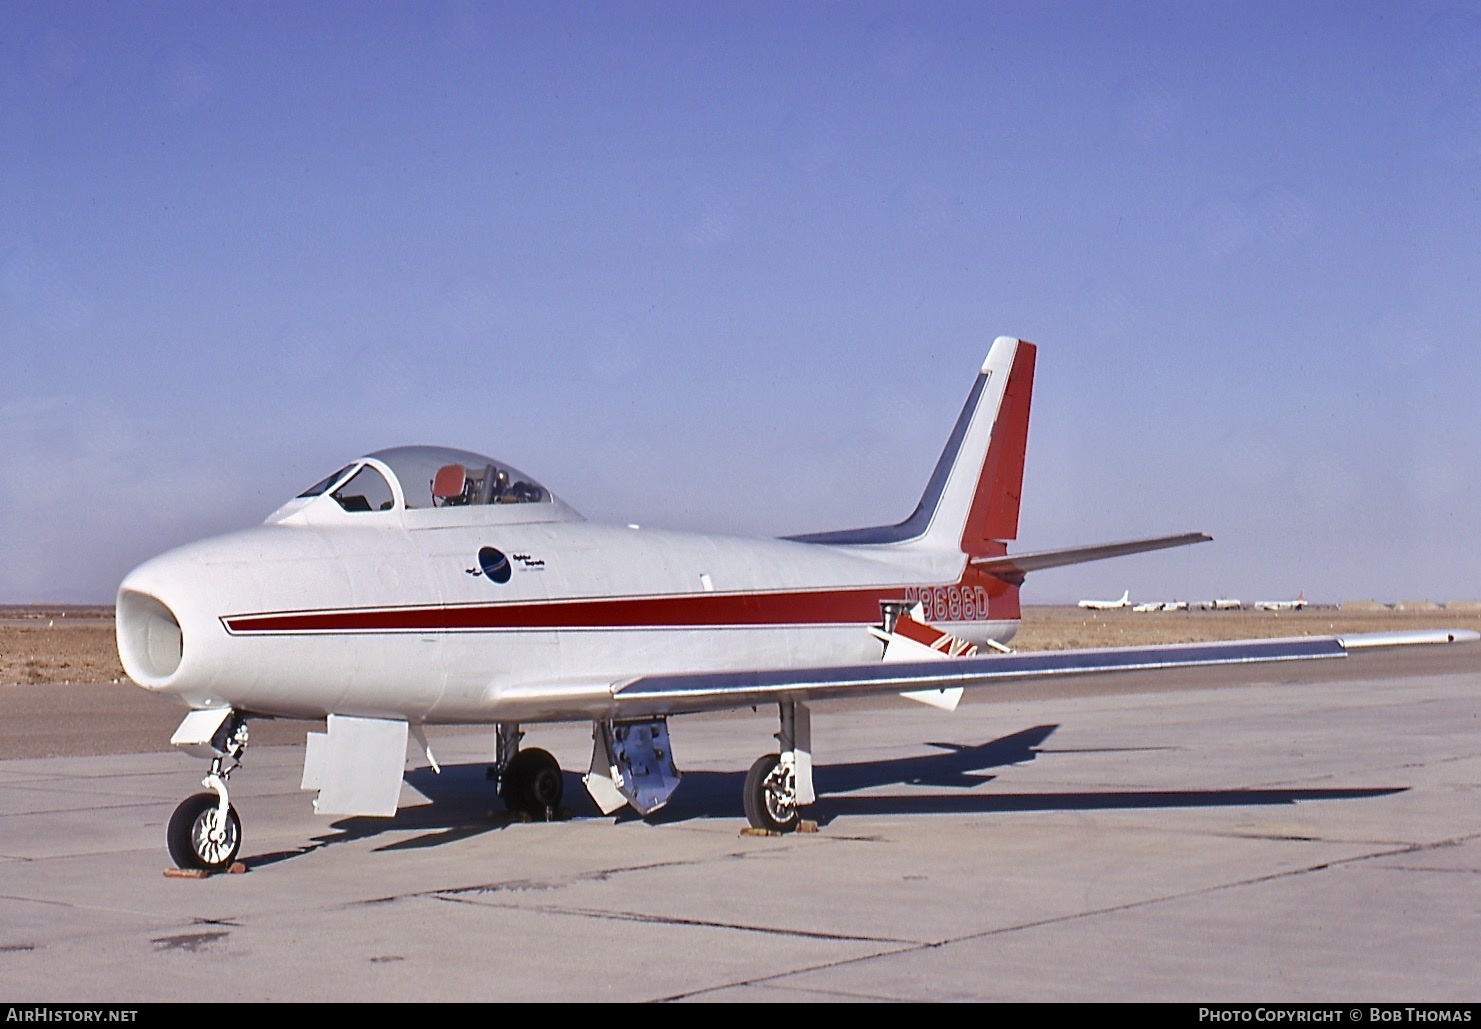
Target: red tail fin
<point x="994" y="512"/>
<point x="971" y="500"/>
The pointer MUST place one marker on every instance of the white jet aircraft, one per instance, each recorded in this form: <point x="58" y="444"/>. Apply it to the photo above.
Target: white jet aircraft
<point x="422" y="586"/>
<point x="1109" y="605"/>
<point x="1282" y="605"/>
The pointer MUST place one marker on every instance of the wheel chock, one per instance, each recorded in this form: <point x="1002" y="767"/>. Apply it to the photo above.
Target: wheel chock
<point x="237" y="868"/>
<point x="805" y="825"/>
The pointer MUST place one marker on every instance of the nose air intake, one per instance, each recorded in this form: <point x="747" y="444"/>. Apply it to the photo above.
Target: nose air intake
<point x="150" y="643"/>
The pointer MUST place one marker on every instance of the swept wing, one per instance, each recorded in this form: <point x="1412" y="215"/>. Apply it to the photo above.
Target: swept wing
<point x="701" y="691"/>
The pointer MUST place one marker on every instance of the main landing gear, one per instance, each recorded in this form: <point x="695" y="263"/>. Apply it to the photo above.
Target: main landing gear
<point x="530" y="781"/>
<point x="205" y="832"/>
<point x="779" y="786"/>
<point x="770" y="796"/>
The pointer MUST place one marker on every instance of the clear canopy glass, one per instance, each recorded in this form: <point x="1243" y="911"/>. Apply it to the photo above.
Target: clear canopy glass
<point x="441" y="477"/>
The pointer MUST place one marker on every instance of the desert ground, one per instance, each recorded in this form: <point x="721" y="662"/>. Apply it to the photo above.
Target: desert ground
<point x="62" y="644"/>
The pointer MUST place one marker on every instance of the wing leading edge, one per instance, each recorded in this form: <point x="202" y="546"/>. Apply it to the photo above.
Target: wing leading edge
<point x="708" y="691"/>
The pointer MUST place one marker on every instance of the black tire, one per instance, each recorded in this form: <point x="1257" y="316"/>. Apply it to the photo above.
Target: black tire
<point x="188" y="835"/>
<point x="533" y="783"/>
<point x="762" y="809"/>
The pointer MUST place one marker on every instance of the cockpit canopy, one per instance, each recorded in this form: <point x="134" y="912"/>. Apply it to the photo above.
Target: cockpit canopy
<point x="437" y="477"/>
<point x="426" y="478"/>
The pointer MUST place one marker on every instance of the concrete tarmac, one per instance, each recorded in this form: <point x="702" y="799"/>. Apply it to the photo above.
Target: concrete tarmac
<point x="1295" y="832"/>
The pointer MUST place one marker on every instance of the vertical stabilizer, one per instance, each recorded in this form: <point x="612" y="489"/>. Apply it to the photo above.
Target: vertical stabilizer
<point x="994" y="480"/>
<point x="971" y="501"/>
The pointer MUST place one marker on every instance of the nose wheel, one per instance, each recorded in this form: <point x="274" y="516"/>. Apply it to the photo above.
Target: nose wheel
<point x="204" y="833"/>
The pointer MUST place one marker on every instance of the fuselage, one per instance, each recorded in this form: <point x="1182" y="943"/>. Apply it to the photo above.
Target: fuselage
<point x="483" y="611"/>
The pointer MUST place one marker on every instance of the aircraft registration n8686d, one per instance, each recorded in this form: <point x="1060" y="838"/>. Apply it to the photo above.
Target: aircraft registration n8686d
<point x="424" y="586"/>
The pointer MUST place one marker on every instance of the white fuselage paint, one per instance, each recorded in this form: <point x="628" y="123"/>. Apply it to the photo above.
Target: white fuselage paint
<point x="609" y="602"/>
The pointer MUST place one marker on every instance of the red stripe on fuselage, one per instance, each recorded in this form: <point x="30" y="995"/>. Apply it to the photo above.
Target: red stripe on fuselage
<point x="700" y="610"/>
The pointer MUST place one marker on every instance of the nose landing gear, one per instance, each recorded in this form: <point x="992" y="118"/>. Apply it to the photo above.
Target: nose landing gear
<point x="205" y="832"/>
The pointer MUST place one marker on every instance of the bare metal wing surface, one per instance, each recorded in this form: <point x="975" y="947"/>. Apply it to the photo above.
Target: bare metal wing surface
<point x="675" y="694"/>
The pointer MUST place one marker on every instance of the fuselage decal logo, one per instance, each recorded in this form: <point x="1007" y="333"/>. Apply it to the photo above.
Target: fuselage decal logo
<point x="493" y="564"/>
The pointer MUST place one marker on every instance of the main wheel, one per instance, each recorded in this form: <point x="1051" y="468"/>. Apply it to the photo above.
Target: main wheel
<point x="765" y="803"/>
<point x="533" y="783"/>
<point x="199" y="838"/>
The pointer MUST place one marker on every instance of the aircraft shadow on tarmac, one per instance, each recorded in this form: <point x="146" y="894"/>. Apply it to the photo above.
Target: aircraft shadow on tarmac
<point x="464" y="804"/>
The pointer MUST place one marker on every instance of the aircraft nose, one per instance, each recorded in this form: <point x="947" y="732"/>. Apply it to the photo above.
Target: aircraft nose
<point x="150" y="640"/>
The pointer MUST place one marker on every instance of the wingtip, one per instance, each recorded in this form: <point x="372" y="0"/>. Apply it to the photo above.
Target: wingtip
<point x="1407" y="637"/>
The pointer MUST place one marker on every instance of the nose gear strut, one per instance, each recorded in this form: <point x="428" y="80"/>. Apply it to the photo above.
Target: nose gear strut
<point x="205" y="832"/>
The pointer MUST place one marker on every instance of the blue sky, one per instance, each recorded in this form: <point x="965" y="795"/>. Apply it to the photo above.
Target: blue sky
<point x="733" y="266"/>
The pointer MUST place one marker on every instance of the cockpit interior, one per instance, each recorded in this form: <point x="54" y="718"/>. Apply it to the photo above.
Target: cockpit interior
<point x="427" y="477"/>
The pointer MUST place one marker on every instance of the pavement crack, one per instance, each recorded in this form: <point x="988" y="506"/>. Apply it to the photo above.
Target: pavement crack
<point x="1077" y="916"/>
<point x="700" y="923"/>
<point x="523" y="885"/>
<point x="597" y="875"/>
<point x="822" y="966"/>
<point x="191" y="943"/>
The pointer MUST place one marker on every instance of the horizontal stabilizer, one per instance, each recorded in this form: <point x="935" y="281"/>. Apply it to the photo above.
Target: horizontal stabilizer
<point x="1013" y="567"/>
